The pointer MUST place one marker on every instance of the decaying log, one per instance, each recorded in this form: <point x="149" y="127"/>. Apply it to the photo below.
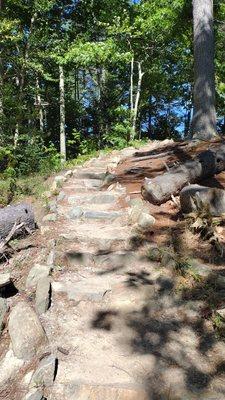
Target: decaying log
<point x="20" y="216"/>
<point x="208" y="163"/>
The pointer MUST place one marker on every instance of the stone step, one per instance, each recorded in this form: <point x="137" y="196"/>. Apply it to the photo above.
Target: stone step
<point x="104" y="237"/>
<point x="79" y="189"/>
<point x="111" y="261"/>
<point x="82" y="182"/>
<point x="88" y="287"/>
<point x="91" y="174"/>
<point x="91" y="391"/>
<point x="78" y="212"/>
<point x="98" y="198"/>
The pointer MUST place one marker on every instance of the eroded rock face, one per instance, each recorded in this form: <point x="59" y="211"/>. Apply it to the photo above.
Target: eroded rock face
<point x="26" y="332"/>
<point x="213" y="199"/>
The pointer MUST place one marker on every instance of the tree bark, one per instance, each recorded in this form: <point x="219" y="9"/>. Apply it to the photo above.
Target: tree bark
<point x="1" y="98"/>
<point x="132" y="87"/>
<point x="137" y="99"/>
<point x="204" y="117"/>
<point x="62" y="114"/>
<point x="159" y="189"/>
<point x="11" y="215"/>
<point x="39" y="105"/>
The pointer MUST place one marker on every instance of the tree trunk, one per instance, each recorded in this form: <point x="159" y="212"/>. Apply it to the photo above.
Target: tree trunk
<point x="204" y="118"/>
<point x="132" y="87"/>
<point x="137" y="99"/>
<point x="150" y="116"/>
<point x="62" y="114"/>
<point x="39" y="105"/>
<point x="11" y="215"/>
<point x="1" y="98"/>
<point x="159" y="189"/>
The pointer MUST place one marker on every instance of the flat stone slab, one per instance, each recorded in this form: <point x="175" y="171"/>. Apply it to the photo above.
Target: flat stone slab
<point x="92" y="392"/>
<point x="98" y="198"/>
<point x="104" y="237"/>
<point x="109" y="215"/>
<point x="88" y="174"/>
<point x="92" y="289"/>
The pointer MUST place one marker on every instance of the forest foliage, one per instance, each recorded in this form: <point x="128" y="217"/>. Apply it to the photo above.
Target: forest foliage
<point x="128" y="70"/>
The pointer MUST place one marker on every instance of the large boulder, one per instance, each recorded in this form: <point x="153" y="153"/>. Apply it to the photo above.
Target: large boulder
<point x="26" y="332"/>
<point x="194" y="196"/>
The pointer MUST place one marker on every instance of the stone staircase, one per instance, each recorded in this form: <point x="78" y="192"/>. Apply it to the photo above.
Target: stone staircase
<point x="117" y="325"/>
<point x="123" y="333"/>
<point x="91" y="297"/>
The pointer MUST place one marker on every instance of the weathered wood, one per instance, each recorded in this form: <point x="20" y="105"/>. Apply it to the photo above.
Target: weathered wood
<point x="14" y="216"/>
<point x="208" y="163"/>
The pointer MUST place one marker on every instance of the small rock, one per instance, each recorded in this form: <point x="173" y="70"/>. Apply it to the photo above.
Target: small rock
<point x="51" y="258"/>
<point x="59" y="180"/>
<point x="36" y="273"/>
<point x="220" y="282"/>
<point x="27" y="378"/>
<point x="61" y="196"/>
<point x="45" y="373"/>
<point x="25" y="331"/>
<point x="43" y="295"/>
<point x="145" y="221"/>
<point x="47" y="195"/>
<point x="109" y="178"/>
<point x="202" y="270"/>
<point x="5" y="279"/>
<point x="50" y="217"/>
<point x="3" y="311"/>
<point x="54" y="189"/>
<point x="69" y="173"/>
<point x="221" y="313"/>
<point x="34" y="394"/>
<point x="75" y="212"/>
<point x="137" y="208"/>
<point x="52" y="206"/>
<point x="44" y="229"/>
<point x="9" y="366"/>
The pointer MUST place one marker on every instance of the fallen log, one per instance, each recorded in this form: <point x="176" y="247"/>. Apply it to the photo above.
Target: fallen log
<point x="20" y="216"/>
<point x="158" y="190"/>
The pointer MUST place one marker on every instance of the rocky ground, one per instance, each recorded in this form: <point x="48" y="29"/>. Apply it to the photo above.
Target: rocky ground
<point x="93" y="305"/>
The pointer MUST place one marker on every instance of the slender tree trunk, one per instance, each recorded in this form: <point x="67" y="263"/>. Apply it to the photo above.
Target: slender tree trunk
<point x="132" y="87"/>
<point x="204" y="118"/>
<point x="39" y="105"/>
<point x="150" y="116"/>
<point x="62" y="114"/>
<point x="137" y="99"/>
<point x="1" y="98"/>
